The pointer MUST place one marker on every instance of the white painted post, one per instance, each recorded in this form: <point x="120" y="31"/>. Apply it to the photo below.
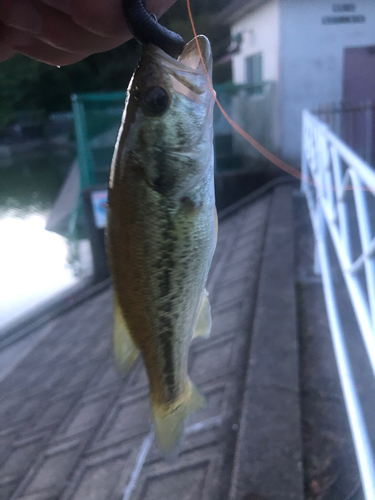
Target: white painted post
<point x="369" y="132"/>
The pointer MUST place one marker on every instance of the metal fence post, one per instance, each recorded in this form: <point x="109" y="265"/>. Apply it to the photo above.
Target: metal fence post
<point x="319" y="224"/>
<point x="86" y="164"/>
<point x="369" y="118"/>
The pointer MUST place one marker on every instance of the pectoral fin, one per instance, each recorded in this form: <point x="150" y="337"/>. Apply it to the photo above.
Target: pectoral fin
<point x="124" y="349"/>
<point x="204" y="321"/>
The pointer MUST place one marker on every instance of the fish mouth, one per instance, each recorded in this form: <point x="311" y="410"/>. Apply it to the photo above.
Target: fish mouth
<point x="190" y="60"/>
<point x="191" y="56"/>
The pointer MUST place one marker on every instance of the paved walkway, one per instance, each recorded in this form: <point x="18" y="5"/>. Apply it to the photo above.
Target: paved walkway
<point x="330" y="465"/>
<point x="70" y="428"/>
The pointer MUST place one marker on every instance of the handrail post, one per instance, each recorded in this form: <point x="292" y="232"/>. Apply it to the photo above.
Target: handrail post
<point x="320" y="235"/>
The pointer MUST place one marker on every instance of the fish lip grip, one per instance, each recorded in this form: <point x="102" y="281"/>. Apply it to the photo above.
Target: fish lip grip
<point x="146" y="29"/>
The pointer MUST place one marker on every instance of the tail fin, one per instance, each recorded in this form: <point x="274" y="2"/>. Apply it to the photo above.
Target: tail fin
<point x="169" y="420"/>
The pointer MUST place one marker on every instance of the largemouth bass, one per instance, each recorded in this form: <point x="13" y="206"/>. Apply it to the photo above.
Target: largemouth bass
<point x="161" y="232"/>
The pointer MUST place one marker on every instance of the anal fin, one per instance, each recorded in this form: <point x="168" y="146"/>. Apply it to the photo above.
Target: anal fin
<point x="124" y="349"/>
<point x="204" y="321"/>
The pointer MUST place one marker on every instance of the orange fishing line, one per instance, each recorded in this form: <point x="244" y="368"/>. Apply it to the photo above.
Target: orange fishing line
<point x="262" y="150"/>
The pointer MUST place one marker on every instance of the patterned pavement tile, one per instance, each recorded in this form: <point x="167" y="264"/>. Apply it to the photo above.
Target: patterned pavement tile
<point x="72" y="429"/>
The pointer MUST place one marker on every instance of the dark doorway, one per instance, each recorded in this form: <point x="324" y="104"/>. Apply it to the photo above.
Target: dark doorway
<point x="358" y="107"/>
<point x="359" y="74"/>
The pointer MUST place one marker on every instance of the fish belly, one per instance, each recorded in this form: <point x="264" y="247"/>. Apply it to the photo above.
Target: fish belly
<point x="160" y="253"/>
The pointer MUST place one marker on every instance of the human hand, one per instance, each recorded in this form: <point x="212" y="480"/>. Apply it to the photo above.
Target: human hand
<point x="61" y="32"/>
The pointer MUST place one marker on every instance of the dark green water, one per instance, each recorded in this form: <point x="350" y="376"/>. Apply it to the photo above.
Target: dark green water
<point x="30" y="183"/>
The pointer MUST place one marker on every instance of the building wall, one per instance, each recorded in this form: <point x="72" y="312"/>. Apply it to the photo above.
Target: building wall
<point x="260" y="33"/>
<point x="312" y="58"/>
<point x="255" y="114"/>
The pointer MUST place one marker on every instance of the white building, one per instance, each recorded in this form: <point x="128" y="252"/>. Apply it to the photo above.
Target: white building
<point x="302" y="45"/>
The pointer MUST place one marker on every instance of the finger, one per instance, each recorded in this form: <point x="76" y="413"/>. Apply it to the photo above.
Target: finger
<point x="106" y="17"/>
<point x="21" y="14"/>
<point x="61" y="5"/>
<point x="57" y="29"/>
<point x="5" y="52"/>
<point x="29" y="20"/>
<point x="27" y="44"/>
<point x="61" y="32"/>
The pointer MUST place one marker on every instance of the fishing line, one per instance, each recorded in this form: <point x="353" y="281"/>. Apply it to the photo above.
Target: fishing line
<point x="261" y="149"/>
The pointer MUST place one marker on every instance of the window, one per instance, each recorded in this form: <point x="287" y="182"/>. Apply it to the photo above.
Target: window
<point x="254" y="73"/>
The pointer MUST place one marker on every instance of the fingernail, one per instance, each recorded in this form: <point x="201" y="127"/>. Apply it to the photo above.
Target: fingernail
<point x="26" y="17"/>
<point x="61" y="5"/>
<point x="18" y="38"/>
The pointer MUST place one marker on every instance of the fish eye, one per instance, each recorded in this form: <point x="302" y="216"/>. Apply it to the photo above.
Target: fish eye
<point x="156" y="100"/>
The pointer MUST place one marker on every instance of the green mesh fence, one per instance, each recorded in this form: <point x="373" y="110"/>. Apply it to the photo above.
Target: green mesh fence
<point x="97" y="119"/>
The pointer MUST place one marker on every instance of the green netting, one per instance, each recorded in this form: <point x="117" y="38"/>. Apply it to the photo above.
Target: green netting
<point x="97" y="119"/>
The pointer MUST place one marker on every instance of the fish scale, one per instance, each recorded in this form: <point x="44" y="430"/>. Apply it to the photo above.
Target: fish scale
<point x="161" y="227"/>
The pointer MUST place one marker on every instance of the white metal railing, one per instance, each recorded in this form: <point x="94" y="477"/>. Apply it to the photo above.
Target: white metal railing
<point x="354" y="123"/>
<point x="338" y="186"/>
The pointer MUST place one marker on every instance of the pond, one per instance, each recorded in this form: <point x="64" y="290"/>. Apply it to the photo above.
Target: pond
<point x="34" y="263"/>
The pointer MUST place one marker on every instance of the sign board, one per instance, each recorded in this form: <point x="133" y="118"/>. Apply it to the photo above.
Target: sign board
<point x="345" y="17"/>
<point x="99" y="207"/>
